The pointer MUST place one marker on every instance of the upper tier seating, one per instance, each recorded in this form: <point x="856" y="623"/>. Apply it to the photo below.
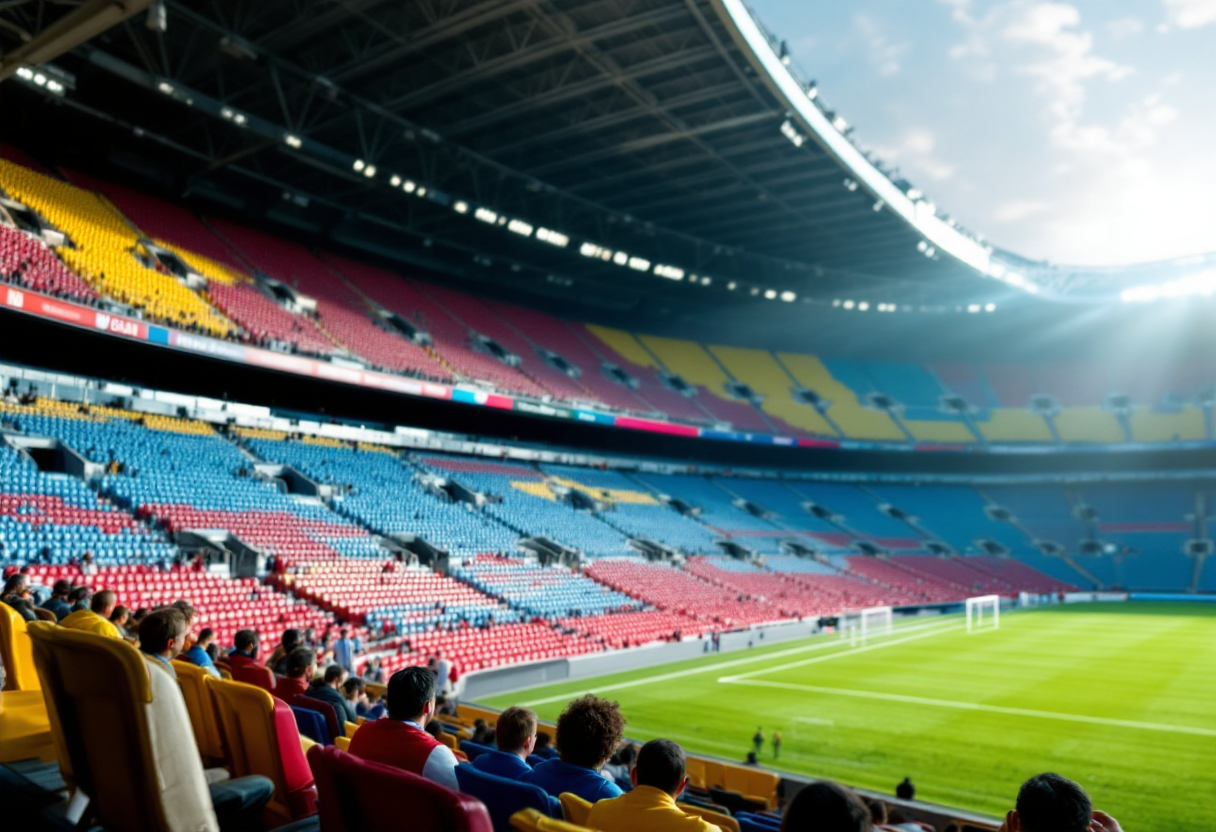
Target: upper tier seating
<point x="915" y="586"/>
<point x="29" y="263"/>
<point x="630" y="629"/>
<point x="265" y="320"/>
<point x="384" y="496"/>
<point x="805" y="595"/>
<point x="561" y="337"/>
<point x="224" y="605"/>
<point x="671" y="589"/>
<point x="623" y="350"/>
<point x="1018" y="574"/>
<point x="955" y="514"/>
<point x="104" y="250"/>
<point x="788" y="511"/>
<point x="478" y="317"/>
<point x="761" y="371"/>
<point x="859" y="513"/>
<point x="544" y="591"/>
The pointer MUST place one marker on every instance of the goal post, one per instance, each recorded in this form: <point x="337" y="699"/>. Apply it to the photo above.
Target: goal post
<point x="876" y="621"/>
<point x="984" y="613"/>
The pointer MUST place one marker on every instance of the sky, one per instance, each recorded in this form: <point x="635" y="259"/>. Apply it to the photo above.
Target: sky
<point x="1081" y="133"/>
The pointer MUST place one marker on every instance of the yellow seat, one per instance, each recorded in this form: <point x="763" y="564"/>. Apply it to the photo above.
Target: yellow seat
<point x="753" y="783"/>
<point x="260" y="737"/>
<point x="695" y="769"/>
<point x="724" y="822"/>
<point x="342" y="743"/>
<point x="118" y="724"/>
<point x="25" y="728"/>
<point x="16" y="651"/>
<point x="449" y="740"/>
<point x="531" y="820"/>
<point x="349" y="729"/>
<point x="715" y="774"/>
<point x="575" y="808"/>
<point x="201" y="704"/>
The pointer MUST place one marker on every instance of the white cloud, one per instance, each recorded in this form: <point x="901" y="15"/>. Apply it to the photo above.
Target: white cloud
<point x="1190" y="14"/>
<point x="1015" y="210"/>
<point x="915" y="154"/>
<point x="1124" y="27"/>
<point x="884" y="55"/>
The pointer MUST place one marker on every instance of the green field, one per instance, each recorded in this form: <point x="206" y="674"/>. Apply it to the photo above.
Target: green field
<point x="1121" y="698"/>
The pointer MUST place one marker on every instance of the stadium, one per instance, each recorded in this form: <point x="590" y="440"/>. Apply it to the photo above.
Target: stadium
<point x="490" y="415"/>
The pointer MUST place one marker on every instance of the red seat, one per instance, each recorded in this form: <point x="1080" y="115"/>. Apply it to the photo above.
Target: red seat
<point x="355" y="795"/>
<point x="325" y="709"/>
<point x="256" y="674"/>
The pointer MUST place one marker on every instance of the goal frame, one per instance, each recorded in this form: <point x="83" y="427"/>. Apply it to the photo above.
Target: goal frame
<point x="975" y="612"/>
<point x="887" y="615"/>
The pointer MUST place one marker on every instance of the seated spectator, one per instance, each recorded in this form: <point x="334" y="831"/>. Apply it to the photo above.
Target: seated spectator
<point x="479" y="732"/>
<point x="96" y="619"/>
<point x="245" y="649"/>
<point x="301" y="665"/>
<point x="354" y="690"/>
<point x="1051" y="803"/>
<point x="278" y="659"/>
<point x="198" y="653"/>
<point x="238" y="802"/>
<point x="588" y="731"/>
<point x="187" y="610"/>
<point x="120" y="618"/>
<point x="543" y="748"/>
<point x="824" y="806"/>
<point x="400" y="739"/>
<point x="658" y="779"/>
<point x="621" y="764"/>
<point x="58" y="602"/>
<point x="515" y="737"/>
<point x="16" y="594"/>
<point x="905" y="790"/>
<point x="327" y="689"/>
<point x="79" y="598"/>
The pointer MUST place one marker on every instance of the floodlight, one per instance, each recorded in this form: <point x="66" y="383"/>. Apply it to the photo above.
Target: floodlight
<point x="165" y="87"/>
<point x="788" y="296"/>
<point x="369" y="171"/>
<point x="395" y="180"/>
<point x="520" y="227"/>
<point x="991" y="307"/>
<point x="553" y="238"/>
<point x="620" y="258"/>
<point x="486" y="215"/>
<point x="409" y="186"/>
<point x="460" y="206"/>
<point x="863" y="306"/>
<point x="770" y="294"/>
<point x="848" y="304"/>
<point x="359" y="164"/>
<point x="293" y="140"/>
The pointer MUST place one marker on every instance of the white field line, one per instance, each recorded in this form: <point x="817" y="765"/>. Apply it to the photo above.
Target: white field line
<point x="882" y="645"/>
<point x="976" y="706"/>
<point x="934" y="626"/>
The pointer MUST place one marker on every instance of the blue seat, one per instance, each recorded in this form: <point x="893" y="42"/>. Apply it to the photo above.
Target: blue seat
<point x="535" y="760"/>
<point x="312" y="725"/>
<point x="473" y="750"/>
<point x="749" y="822"/>
<point x="505" y="797"/>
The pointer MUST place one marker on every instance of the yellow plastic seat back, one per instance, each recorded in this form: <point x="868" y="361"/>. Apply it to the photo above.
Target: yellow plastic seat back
<point x="123" y="734"/>
<point x="349" y="729"/>
<point x="724" y="822"/>
<point x="531" y="820"/>
<point x="575" y="808"/>
<point x="16" y="651"/>
<point x="753" y="783"/>
<point x="695" y="769"/>
<point x="715" y="774"/>
<point x="200" y="702"/>
<point x="342" y="743"/>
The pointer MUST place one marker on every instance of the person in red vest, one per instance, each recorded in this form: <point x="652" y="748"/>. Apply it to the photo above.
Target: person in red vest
<point x="400" y="738"/>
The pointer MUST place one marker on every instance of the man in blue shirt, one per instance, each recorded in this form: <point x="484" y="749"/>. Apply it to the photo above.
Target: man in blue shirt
<point x="515" y="735"/>
<point x="345" y="649"/>
<point x="58" y="602"/>
<point x="198" y="653"/>
<point x="588" y="733"/>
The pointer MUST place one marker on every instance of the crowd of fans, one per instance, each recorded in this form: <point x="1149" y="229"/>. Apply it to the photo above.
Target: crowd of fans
<point x="628" y="788"/>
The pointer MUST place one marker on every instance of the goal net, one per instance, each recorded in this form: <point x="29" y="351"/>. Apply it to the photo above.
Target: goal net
<point x="984" y="613"/>
<point x="859" y="625"/>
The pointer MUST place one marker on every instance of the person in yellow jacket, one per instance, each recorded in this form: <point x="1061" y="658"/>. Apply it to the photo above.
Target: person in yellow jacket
<point x="658" y="777"/>
<point x="96" y="619"/>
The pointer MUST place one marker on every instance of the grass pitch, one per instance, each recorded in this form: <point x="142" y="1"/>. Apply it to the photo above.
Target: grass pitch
<point x="1120" y="697"/>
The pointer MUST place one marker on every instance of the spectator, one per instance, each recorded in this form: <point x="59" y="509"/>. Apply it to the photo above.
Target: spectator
<point x="328" y="688"/>
<point x="515" y="737"/>
<point x="544" y="749"/>
<point x="1051" y="803"/>
<point x="355" y="692"/>
<point x="96" y="619"/>
<point x="187" y="610"/>
<point x="244" y="650"/>
<point x="588" y="731"/>
<point x="58" y="602"/>
<point x="776" y="744"/>
<point x="374" y="673"/>
<point x="345" y="649"/>
<point x="79" y="598"/>
<point x="751" y="759"/>
<point x="479" y="731"/>
<point x="658" y="778"/>
<point x="16" y="594"/>
<point x="198" y="654"/>
<point x="238" y="802"/>
<point x="620" y="766"/>
<point x="824" y="806"/>
<point x="758" y="739"/>
<point x="120" y="618"/>
<point x="278" y="659"/>
<point x="905" y="790"/>
<point x="443" y="673"/>
<point x="301" y="665"/>
<point x="400" y="739"/>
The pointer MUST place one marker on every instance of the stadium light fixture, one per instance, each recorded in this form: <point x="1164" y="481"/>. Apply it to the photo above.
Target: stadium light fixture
<point x="409" y="186"/>
<point x="790" y="132"/>
<point x="732" y="286"/>
<point x="486" y="215"/>
<point x="164" y="86"/>
<point x="670" y="272"/>
<point x="788" y="296"/>
<point x="460" y="206"/>
<point x="421" y="191"/>
<point x="862" y="306"/>
<point x="840" y="124"/>
<point x="292" y="140"/>
<point x="991" y="307"/>
<point x="770" y="294"/>
<point x="850" y="185"/>
<point x="553" y="238"/>
<point x="395" y="181"/>
<point x="520" y="227"/>
<point x="848" y="304"/>
<point x="930" y="251"/>
<point x="359" y="165"/>
<point x="639" y="264"/>
<point x="812" y="91"/>
<point x="973" y="308"/>
<point x="836" y="302"/>
<point x="879" y="205"/>
<point x="620" y="258"/>
<point x="705" y="281"/>
<point x="369" y="171"/>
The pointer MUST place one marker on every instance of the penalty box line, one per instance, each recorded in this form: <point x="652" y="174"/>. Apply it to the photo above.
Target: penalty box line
<point x="976" y="706"/>
<point x="824" y="644"/>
